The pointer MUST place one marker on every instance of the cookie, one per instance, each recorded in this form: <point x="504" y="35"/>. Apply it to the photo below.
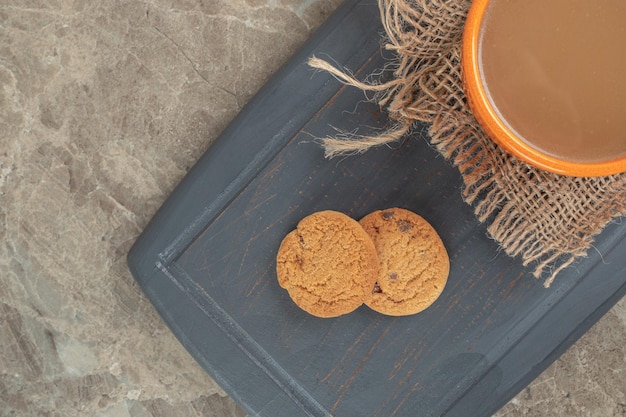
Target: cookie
<point x="328" y="264"/>
<point x="413" y="262"/>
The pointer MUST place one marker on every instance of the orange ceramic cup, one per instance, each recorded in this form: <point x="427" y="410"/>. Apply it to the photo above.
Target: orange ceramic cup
<point x="497" y="129"/>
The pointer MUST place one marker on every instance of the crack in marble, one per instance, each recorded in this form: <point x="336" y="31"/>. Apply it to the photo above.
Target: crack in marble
<point x="195" y="69"/>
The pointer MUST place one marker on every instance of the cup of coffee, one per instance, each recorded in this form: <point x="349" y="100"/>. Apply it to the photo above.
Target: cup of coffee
<point x="546" y="80"/>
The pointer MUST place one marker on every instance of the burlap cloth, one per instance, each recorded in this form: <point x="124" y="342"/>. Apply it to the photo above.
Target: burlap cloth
<point x="547" y="220"/>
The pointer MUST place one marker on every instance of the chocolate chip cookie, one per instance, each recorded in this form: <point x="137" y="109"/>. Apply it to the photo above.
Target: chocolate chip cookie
<point x="413" y="262"/>
<point x="328" y="264"/>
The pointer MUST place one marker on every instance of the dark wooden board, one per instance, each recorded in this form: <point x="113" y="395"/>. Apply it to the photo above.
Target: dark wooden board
<point x="206" y="262"/>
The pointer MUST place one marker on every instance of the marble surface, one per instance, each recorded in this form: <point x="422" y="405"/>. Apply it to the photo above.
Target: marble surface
<point x="104" y="106"/>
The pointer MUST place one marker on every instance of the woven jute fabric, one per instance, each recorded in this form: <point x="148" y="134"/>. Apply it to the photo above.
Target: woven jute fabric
<point x="548" y="220"/>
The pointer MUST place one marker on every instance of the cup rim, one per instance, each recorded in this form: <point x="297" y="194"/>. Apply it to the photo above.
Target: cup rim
<point x="497" y="129"/>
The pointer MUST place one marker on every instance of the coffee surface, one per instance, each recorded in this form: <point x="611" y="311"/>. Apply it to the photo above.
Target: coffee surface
<point x="555" y="71"/>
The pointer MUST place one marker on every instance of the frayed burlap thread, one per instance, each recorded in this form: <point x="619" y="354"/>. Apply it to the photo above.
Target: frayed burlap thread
<point x="548" y="220"/>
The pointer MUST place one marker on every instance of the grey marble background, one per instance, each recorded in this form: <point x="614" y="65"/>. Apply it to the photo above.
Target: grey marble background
<point x="104" y="106"/>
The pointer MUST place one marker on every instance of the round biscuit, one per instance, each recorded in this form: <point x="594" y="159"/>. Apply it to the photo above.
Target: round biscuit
<point x="413" y="262"/>
<point x="328" y="264"/>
